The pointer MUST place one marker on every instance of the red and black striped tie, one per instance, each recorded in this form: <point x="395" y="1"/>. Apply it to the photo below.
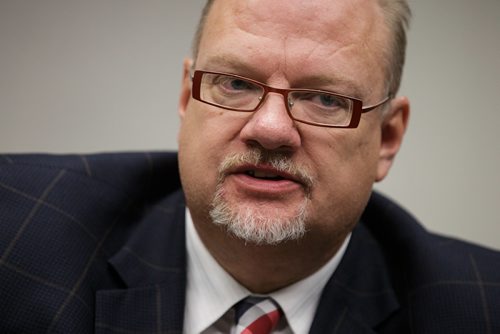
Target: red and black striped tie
<point x="256" y="315"/>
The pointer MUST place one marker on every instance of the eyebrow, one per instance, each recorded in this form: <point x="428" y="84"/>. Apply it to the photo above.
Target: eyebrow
<point x="224" y="63"/>
<point x="334" y="83"/>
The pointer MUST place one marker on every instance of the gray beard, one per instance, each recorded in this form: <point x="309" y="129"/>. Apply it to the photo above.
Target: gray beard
<point x="251" y="226"/>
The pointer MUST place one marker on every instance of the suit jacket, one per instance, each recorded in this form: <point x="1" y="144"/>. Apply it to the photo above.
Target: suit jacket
<point x="95" y="243"/>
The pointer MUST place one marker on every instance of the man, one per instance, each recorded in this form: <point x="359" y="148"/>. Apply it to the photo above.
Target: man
<point x="288" y="116"/>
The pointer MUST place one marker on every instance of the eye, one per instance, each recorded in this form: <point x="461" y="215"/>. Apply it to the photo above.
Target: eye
<point x="239" y="84"/>
<point x="321" y="100"/>
<point x="229" y="83"/>
<point x="328" y="100"/>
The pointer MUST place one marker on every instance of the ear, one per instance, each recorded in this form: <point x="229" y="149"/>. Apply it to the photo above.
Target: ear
<point x="185" y="93"/>
<point x="394" y="123"/>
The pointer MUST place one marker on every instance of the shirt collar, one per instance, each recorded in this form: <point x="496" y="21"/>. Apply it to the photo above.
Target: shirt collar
<point x="211" y="291"/>
<point x="300" y="300"/>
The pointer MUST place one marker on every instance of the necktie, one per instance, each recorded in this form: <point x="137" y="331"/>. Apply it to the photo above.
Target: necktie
<point x="256" y="315"/>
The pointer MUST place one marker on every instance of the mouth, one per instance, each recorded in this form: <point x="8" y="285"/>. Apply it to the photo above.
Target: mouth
<point x="265" y="180"/>
<point x="265" y="173"/>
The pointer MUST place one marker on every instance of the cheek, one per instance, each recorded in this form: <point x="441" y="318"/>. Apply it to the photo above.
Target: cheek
<point x="348" y="152"/>
<point x="345" y="169"/>
<point x="196" y="164"/>
<point x="205" y="137"/>
<point x="201" y="133"/>
<point x="346" y="165"/>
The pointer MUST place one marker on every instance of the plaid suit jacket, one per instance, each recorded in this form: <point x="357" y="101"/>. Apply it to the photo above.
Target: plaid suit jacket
<point x="95" y="244"/>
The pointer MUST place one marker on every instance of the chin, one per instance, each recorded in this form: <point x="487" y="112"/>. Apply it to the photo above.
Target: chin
<point x="258" y="224"/>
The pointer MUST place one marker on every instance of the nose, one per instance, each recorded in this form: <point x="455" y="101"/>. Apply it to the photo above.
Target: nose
<point x="271" y="127"/>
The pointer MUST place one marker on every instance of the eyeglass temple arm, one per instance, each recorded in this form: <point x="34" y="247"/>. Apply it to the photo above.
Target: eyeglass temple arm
<point x="373" y="106"/>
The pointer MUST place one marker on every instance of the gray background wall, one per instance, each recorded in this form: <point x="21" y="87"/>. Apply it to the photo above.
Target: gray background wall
<point x="102" y="75"/>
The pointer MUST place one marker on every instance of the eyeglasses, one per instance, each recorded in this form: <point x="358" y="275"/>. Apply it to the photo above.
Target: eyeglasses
<point x="309" y="106"/>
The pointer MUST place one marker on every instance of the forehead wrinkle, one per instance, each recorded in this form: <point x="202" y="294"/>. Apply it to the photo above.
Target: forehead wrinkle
<point x="226" y="18"/>
<point x="329" y="78"/>
<point x="318" y="39"/>
<point x="305" y="19"/>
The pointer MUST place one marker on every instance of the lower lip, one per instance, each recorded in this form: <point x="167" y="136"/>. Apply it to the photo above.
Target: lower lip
<point x="262" y="186"/>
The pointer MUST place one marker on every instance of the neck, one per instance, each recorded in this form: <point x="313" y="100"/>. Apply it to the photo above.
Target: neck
<point x="266" y="268"/>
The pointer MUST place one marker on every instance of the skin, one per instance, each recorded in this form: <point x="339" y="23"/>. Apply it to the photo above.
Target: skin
<point x="289" y="44"/>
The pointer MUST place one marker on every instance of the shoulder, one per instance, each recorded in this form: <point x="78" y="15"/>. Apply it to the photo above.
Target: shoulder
<point x="396" y="228"/>
<point x="436" y="277"/>
<point x="86" y="191"/>
<point x="33" y="176"/>
<point x="59" y="211"/>
<point x="114" y="169"/>
<point x="62" y="216"/>
<point x="403" y="238"/>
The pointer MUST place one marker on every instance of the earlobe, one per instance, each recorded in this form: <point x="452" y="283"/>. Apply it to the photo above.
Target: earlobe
<point x="394" y="125"/>
<point x="185" y="93"/>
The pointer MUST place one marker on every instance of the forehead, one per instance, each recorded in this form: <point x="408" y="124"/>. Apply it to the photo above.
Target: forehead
<point x="293" y="37"/>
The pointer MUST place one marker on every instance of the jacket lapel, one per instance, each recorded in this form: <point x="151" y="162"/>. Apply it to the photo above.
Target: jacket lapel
<point x="152" y="264"/>
<point x="359" y="295"/>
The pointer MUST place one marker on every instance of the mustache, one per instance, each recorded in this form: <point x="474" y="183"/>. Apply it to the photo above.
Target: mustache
<point x="278" y="160"/>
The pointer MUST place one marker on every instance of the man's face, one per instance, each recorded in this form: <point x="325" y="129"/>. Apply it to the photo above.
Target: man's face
<point x="328" y="45"/>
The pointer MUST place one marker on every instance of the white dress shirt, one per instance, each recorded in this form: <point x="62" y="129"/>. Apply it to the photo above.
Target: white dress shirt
<point x="211" y="292"/>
